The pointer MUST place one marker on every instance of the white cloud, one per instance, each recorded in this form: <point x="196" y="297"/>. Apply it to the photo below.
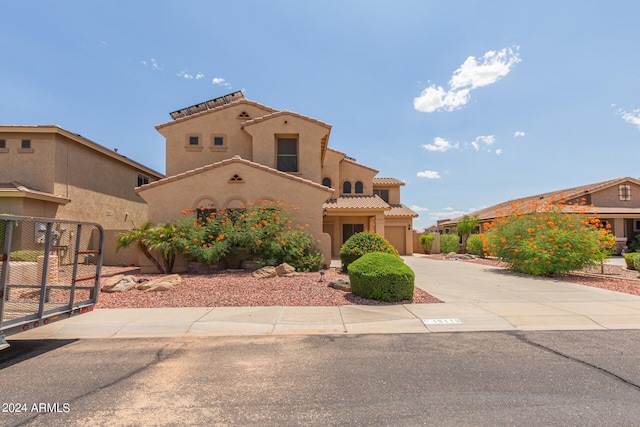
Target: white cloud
<point x="184" y="74"/>
<point x="417" y="208"/>
<point x="440" y="144"/>
<point x="429" y="174"/>
<point x="472" y="74"/>
<point x="482" y="142"/>
<point x="219" y="81"/>
<point x="518" y="134"/>
<point x="632" y="117"/>
<point x="499" y="151"/>
<point x="199" y="76"/>
<point x="152" y="63"/>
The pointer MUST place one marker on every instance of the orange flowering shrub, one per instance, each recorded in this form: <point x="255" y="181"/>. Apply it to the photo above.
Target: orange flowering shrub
<point x="264" y="232"/>
<point x="548" y="238"/>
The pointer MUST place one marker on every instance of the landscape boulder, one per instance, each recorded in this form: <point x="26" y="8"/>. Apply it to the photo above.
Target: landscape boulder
<point x="119" y="283"/>
<point x="163" y="283"/>
<point x="341" y="284"/>
<point x="285" y="269"/>
<point x="265" y="272"/>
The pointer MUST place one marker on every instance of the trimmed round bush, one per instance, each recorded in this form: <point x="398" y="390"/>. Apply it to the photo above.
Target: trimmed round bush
<point x="630" y="258"/>
<point x="381" y="276"/>
<point x="636" y="263"/>
<point x="364" y="243"/>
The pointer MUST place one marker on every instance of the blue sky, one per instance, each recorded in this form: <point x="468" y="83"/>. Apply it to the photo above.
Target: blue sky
<point x="469" y="102"/>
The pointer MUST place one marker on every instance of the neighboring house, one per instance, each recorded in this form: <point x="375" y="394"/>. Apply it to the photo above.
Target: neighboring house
<point x="49" y="172"/>
<point x="616" y="202"/>
<point x="231" y="151"/>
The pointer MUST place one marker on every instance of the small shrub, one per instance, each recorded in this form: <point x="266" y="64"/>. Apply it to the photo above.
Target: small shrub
<point x="629" y="259"/>
<point x="381" y="276"/>
<point x="449" y="243"/>
<point x="636" y="263"/>
<point x="364" y="243"/>
<point x="426" y="241"/>
<point x="28" y="255"/>
<point x="475" y="245"/>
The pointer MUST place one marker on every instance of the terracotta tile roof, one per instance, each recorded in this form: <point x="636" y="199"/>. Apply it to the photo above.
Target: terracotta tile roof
<point x="276" y="114"/>
<point x="559" y="195"/>
<point x="400" y="210"/>
<point x="15" y="189"/>
<point x="356" y="202"/>
<point x="234" y="159"/>
<point x="387" y="181"/>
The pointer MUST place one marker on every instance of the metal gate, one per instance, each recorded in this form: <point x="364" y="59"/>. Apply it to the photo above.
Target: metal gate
<point x="49" y="269"/>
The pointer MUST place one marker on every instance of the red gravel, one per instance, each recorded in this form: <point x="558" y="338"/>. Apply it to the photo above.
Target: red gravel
<point x="241" y="289"/>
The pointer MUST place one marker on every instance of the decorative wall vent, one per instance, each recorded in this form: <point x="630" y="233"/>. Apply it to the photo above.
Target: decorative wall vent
<point x="244" y="115"/>
<point x="236" y="178"/>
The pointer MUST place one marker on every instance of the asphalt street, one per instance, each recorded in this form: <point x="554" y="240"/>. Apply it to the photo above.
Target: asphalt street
<point x="557" y="378"/>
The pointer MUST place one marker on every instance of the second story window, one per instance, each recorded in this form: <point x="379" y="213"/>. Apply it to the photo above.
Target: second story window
<point x="3" y="143"/>
<point x="346" y="187"/>
<point x="326" y="182"/>
<point x="382" y="193"/>
<point x="26" y="144"/>
<point x="218" y="141"/>
<point x="287" y="154"/>
<point x="624" y="192"/>
<point x="194" y="141"/>
<point x="359" y="187"/>
<point x="142" y="179"/>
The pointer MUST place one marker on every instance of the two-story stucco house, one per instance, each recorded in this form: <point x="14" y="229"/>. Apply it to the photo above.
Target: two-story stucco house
<point x="231" y="151"/>
<point x="49" y="172"/>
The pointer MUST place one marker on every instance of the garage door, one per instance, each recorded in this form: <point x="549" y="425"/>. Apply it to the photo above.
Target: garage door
<point x="397" y="237"/>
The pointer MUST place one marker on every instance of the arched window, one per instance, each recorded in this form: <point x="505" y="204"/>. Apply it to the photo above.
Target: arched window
<point x="326" y="182"/>
<point x="346" y="187"/>
<point x="359" y="187"/>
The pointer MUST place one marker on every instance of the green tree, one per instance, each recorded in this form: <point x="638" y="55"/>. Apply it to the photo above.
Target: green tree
<point x="466" y="226"/>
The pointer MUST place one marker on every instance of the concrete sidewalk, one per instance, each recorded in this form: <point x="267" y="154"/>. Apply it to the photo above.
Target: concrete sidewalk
<point x="476" y="298"/>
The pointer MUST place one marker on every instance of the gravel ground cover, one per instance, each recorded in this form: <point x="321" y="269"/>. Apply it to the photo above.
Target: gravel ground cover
<point x="241" y="289"/>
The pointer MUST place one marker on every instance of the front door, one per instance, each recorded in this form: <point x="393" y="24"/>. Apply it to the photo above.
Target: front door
<point x="349" y="230"/>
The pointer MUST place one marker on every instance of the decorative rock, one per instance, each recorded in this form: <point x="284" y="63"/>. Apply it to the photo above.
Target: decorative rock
<point x="119" y="283"/>
<point x="284" y="269"/>
<point x="341" y="284"/>
<point x="265" y="272"/>
<point x="163" y="283"/>
<point x="452" y="255"/>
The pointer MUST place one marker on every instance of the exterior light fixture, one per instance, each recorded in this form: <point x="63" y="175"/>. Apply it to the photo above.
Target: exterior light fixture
<point x="321" y="276"/>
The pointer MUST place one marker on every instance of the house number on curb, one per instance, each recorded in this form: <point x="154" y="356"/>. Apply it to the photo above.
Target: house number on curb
<point x="441" y="321"/>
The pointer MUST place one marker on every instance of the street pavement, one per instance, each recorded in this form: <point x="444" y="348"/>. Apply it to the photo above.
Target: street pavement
<point x="475" y="298"/>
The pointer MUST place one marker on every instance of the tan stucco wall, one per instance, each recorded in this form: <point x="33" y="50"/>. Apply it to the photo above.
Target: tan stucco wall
<point x="33" y="168"/>
<point x="309" y="134"/>
<point x="610" y="197"/>
<point x="168" y="200"/>
<point x="394" y="192"/>
<point x="180" y="157"/>
<point x="352" y="172"/>
<point x="331" y="169"/>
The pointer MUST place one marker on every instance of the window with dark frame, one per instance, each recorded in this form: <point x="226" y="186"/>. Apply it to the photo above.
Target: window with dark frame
<point x="287" y="154"/>
<point x="26" y="144"/>
<point x="218" y="141"/>
<point x="3" y="143"/>
<point x="326" y="182"/>
<point x="346" y="187"/>
<point x="382" y="193"/>
<point x="624" y="192"/>
<point x="194" y="140"/>
<point x="142" y="180"/>
<point x="359" y="187"/>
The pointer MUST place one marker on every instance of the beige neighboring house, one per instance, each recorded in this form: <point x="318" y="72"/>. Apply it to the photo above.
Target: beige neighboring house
<point x="231" y="151"/>
<point x="50" y="172"/>
<point x="616" y="202"/>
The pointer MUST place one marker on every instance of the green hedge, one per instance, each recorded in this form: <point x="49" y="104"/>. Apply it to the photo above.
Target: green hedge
<point x="426" y="241"/>
<point x="449" y="243"/>
<point x="381" y="276"/>
<point x="364" y="243"/>
<point x="630" y="258"/>
<point x="474" y="245"/>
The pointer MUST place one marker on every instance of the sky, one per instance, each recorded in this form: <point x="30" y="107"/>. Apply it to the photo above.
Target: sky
<point x="470" y="103"/>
